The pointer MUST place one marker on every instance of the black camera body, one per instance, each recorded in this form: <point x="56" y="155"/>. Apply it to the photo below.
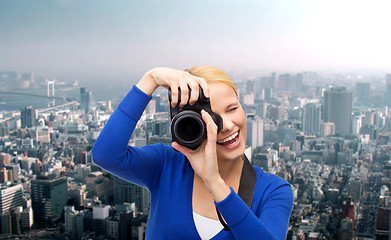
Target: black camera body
<point x="187" y="126"/>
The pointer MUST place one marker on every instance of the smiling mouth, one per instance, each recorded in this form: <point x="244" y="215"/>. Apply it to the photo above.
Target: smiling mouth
<point x="229" y="141"/>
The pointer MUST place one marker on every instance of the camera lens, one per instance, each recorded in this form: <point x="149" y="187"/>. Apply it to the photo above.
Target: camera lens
<point x="189" y="129"/>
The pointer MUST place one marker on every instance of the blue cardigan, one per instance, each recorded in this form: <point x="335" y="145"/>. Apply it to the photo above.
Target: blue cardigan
<point x="168" y="176"/>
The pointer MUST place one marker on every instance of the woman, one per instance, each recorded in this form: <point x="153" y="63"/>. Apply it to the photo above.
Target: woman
<point x="187" y="186"/>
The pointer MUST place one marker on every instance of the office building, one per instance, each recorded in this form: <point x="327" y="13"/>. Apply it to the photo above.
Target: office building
<point x="5" y="159"/>
<point x="26" y="219"/>
<point x="338" y="109"/>
<point x="6" y="224"/>
<point x="5" y="175"/>
<point x="41" y="135"/>
<point x="99" y="185"/>
<point x="369" y="119"/>
<point x="327" y="129"/>
<point x="286" y="134"/>
<point x="14" y="172"/>
<point x="355" y="189"/>
<point x="69" y="216"/>
<point x="125" y="192"/>
<point x="285" y="81"/>
<point x="112" y="228"/>
<point x="99" y="219"/>
<point x="388" y="90"/>
<point x="15" y="220"/>
<point x="48" y="196"/>
<point x="356" y="125"/>
<point x="4" y="129"/>
<point x="311" y="118"/>
<point x="27" y="117"/>
<point x="250" y="87"/>
<point x="363" y="92"/>
<point x="87" y="101"/>
<point x="261" y="109"/>
<point x="276" y="113"/>
<point x="268" y="94"/>
<point x="125" y="225"/>
<point x="74" y="221"/>
<point x="263" y="160"/>
<point x="254" y="132"/>
<point x="11" y="196"/>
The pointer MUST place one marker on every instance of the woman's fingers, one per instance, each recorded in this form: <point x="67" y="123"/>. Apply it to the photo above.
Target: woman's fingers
<point x="174" y="94"/>
<point x="184" y="93"/>
<point x="204" y="85"/>
<point x="186" y="151"/>
<point x="195" y="92"/>
<point x="210" y="127"/>
<point x="184" y="86"/>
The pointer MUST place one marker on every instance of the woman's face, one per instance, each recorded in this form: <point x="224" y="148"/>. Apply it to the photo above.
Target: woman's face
<point x="231" y="139"/>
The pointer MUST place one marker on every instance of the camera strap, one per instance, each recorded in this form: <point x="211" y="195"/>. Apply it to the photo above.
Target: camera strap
<point x="246" y="187"/>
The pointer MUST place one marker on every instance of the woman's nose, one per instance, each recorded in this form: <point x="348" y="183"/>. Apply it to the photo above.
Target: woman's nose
<point x="227" y="125"/>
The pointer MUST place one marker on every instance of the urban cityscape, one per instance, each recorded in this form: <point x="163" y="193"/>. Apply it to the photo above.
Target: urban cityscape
<point x="328" y="135"/>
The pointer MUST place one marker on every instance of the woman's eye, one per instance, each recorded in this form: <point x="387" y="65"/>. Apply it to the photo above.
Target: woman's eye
<point x="232" y="109"/>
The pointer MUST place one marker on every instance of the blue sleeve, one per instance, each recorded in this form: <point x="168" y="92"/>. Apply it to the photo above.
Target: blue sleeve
<point x="111" y="151"/>
<point x="274" y="215"/>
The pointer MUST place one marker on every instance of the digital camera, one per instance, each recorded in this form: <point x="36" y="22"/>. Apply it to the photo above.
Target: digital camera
<point x="187" y="127"/>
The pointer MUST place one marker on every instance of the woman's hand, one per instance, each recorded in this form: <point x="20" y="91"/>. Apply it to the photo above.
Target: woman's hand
<point x="175" y="80"/>
<point x="204" y="160"/>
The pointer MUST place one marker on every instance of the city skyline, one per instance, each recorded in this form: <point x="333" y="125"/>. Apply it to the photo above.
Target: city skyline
<point x="337" y="160"/>
<point x="98" y="40"/>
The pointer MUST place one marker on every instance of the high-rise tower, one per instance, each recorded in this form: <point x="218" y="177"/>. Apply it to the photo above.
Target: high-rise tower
<point x="311" y="118"/>
<point x="254" y="132"/>
<point x="10" y="197"/>
<point x="126" y="192"/>
<point x="87" y="101"/>
<point x="338" y="109"/>
<point x="388" y="90"/>
<point x="363" y="92"/>
<point x="48" y="197"/>
<point x="27" y="116"/>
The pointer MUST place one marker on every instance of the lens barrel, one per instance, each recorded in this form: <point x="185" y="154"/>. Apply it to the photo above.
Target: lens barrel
<point x="188" y="129"/>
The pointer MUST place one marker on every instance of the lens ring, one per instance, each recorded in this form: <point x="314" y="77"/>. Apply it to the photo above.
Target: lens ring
<point x="189" y="128"/>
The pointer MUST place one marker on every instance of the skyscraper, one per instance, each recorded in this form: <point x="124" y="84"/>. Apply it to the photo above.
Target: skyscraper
<point x="338" y="109"/>
<point x="388" y="90"/>
<point x="311" y="118"/>
<point x="254" y="133"/>
<point x="27" y="117"/>
<point x="126" y="192"/>
<point x="87" y="101"/>
<point x="10" y="197"/>
<point x="48" y="197"/>
<point x="268" y="94"/>
<point x="363" y="92"/>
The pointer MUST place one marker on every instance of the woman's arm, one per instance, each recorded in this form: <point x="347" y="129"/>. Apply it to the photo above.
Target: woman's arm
<point x="111" y="150"/>
<point x="244" y="224"/>
<point x="274" y="214"/>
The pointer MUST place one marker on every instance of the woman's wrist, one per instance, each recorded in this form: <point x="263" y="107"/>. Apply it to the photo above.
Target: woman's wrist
<point x="147" y="83"/>
<point x="218" y="189"/>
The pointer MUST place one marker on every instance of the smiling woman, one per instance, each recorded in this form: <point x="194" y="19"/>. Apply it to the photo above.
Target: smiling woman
<point x="196" y="194"/>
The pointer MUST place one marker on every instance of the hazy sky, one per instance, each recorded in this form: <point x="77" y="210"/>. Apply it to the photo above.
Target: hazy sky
<point x="115" y="38"/>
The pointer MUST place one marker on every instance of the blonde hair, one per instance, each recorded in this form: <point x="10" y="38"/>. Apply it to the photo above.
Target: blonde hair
<point x="212" y="74"/>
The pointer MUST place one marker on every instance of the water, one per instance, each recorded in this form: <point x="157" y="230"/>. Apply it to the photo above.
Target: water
<point x="15" y="102"/>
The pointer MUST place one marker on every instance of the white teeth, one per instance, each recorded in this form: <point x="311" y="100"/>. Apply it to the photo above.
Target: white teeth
<point x="229" y="138"/>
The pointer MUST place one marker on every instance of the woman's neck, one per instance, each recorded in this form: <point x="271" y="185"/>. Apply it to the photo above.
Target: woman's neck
<point x="230" y="169"/>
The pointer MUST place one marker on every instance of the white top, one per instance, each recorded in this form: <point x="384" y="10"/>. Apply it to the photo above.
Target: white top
<point x="206" y="227"/>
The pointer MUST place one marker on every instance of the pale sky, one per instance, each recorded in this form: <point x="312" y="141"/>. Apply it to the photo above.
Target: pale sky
<point x="112" y="38"/>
